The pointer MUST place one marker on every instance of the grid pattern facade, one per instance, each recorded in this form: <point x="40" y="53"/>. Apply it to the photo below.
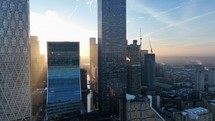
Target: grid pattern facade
<point x="64" y="89"/>
<point x="112" y="44"/>
<point x="15" y="92"/>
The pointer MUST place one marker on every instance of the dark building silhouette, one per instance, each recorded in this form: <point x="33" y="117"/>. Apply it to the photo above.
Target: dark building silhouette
<point x="93" y="62"/>
<point x="83" y="79"/>
<point x="112" y="72"/>
<point x="134" y="69"/>
<point x="149" y="70"/>
<point x="15" y="86"/>
<point x="133" y="52"/>
<point x="84" y="90"/>
<point x="63" y="85"/>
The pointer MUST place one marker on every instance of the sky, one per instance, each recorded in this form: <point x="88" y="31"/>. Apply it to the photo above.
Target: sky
<point x="174" y="27"/>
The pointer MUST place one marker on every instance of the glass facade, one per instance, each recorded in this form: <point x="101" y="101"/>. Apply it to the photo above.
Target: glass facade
<point x="15" y="92"/>
<point x="149" y="70"/>
<point x="64" y="93"/>
<point x="112" y="75"/>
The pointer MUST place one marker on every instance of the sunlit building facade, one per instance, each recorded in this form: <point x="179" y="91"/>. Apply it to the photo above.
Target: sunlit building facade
<point x="63" y="85"/>
<point x="15" y="92"/>
<point x="112" y="73"/>
<point x="94" y="61"/>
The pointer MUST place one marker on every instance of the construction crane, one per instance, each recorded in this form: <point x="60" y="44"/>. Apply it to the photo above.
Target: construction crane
<point x="150" y="45"/>
<point x="141" y="39"/>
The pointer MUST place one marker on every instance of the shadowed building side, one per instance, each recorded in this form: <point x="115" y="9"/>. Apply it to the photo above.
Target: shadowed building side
<point x="112" y="72"/>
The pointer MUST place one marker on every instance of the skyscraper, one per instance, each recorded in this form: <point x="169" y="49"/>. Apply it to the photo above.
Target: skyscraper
<point x="200" y="80"/>
<point x="15" y="92"/>
<point x="93" y="61"/>
<point x="64" y="89"/>
<point x="149" y="70"/>
<point x="111" y="54"/>
<point x="134" y="69"/>
<point x="211" y="77"/>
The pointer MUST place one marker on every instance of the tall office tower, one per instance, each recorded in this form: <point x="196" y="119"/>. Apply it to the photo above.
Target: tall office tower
<point x="111" y="54"/>
<point x="149" y="70"/>
<point x="211" y="77"/>
<point x="64" y="89"/>
<point x="15" y="92"/>
<point x="93" y="61"/>
<point x="200" y="80"/>
<point x="134" y="69"/>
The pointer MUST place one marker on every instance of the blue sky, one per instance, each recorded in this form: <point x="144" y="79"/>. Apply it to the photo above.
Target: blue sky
<point x="175" y="27"/>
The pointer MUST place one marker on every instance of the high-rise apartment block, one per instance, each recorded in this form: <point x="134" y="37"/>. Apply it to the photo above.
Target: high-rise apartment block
<point x="63" y="85"/>
<point x="15" y="92"/>
<point x="112" y="72"/>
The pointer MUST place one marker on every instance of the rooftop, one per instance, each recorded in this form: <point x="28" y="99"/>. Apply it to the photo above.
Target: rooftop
<point x="194" y="113"/>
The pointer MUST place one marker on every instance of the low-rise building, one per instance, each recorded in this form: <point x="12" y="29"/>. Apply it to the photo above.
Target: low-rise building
<point x="194" y="114"/>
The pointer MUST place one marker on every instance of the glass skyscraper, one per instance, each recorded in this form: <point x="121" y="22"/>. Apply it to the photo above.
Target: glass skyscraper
<point x="112" y="75"/>
<point x="63" y="86"/>
<point x="15" y="92"/>
<point x="149" y="70"/>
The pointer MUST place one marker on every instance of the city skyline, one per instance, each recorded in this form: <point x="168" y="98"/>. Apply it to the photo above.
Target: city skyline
<point x="174" y="27"/>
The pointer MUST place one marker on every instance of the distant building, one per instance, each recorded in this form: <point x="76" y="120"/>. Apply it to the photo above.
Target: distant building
<point x="93" y="62"/>
<point x="137" y="109"/>
<point x="149" y="70"/>
<point x="38" y="64"/>
<point x="63" y="85"/>
<point x="84" y="90"/>
<point x="133" y="52"/>
<point x="211" y="108"/>
<point x="134" y="79"/>
<point x="134" y="69"/>
<point x="83" y="79"/>
<point x="211" y="77"/>
<point x="112" y="72"/>
<point x="38" y="74"/>
<point x="15" y="86"/>
<point x="200" y="80"/>
<point x="194" y="114"/>
<point x="142" y="53"/>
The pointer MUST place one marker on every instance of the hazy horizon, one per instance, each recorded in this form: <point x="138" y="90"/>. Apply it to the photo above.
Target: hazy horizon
<point x="179" y="28"/>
